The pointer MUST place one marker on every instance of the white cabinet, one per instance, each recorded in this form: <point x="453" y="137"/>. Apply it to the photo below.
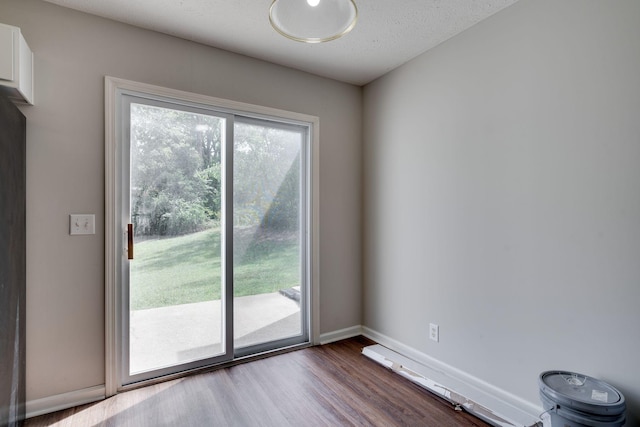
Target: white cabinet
<point x="16" y="65"/>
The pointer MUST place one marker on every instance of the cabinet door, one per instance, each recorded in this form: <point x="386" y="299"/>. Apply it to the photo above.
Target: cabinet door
<point x="16" y="65"/>
<point x="6" y="53"/>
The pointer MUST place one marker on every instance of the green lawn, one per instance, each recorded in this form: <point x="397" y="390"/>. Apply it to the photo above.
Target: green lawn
<point x="186" y="269"/>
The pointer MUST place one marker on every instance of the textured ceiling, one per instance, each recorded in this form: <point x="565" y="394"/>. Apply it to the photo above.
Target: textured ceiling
<point x="388" y="32"/>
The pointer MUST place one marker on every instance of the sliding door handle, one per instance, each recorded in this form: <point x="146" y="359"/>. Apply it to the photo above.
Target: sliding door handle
<point x="129" y="241"/>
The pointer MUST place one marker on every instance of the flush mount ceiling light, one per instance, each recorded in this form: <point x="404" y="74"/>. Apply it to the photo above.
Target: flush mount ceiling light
<point x="313" y="21"/>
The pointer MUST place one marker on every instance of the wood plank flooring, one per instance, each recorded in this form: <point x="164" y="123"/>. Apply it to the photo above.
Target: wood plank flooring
<point x="330" y="385"/>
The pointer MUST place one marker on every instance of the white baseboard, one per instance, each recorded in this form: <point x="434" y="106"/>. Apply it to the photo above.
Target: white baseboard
<point x="62" y="401"/>
<point x="340" y="334"/>
<point x="422" y="358"/>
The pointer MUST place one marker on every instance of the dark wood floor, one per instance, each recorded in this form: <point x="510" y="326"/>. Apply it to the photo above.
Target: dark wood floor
<point x="330" y="385"/>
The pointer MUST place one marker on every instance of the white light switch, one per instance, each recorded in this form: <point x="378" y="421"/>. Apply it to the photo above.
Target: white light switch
<point x="82" y="224"/>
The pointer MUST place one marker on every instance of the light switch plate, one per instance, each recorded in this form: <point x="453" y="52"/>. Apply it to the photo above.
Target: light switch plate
<point x="82" y="224"/>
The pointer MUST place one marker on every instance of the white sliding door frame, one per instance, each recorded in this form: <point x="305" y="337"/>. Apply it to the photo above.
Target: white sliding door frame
<point x="114" y="87"/>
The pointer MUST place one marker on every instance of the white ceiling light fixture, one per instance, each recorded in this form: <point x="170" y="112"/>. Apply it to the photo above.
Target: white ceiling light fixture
<point x="313" y="21"/>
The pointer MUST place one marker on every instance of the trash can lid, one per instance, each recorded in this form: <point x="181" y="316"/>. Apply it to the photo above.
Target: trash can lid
<point x="581" y="392"/>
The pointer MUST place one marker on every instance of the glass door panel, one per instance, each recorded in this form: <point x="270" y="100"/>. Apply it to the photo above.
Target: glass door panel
<point x="268" y="232"/>
<point x="176" y="292"/>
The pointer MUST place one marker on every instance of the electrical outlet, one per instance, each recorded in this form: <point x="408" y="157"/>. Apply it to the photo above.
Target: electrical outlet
<point x="434" y="332"/>
<point x="82" y="224"/>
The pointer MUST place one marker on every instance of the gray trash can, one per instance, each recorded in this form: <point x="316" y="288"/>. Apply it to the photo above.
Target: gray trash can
<point x="575" y="400"/>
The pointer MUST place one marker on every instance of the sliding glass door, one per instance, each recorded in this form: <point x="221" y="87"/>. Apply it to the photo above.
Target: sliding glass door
<point x="214" y="220"/>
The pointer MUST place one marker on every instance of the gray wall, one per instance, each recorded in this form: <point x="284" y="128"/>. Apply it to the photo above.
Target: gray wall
<point x="65" y="172"/>
<point x="502" y="197"/>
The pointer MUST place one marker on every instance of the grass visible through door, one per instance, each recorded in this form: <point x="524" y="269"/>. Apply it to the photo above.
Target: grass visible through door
<point x="179" y="270"/>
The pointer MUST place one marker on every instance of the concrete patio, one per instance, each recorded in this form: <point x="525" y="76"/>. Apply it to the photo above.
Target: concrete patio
<point x="166" y="336"/>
